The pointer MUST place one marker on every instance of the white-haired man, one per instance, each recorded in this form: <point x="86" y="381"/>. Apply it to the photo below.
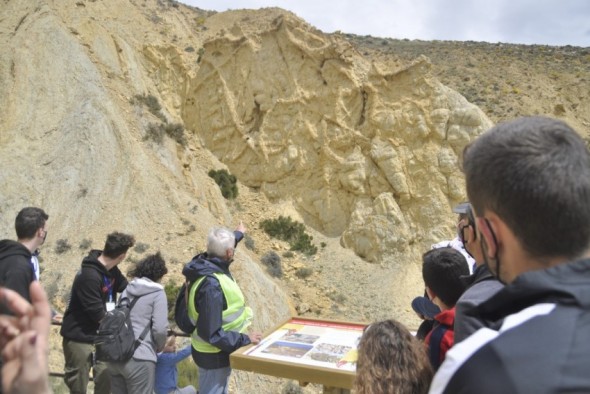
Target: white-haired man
<point x="217" y="305"/>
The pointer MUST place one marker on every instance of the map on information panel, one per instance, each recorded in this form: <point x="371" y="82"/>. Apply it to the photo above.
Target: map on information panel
<point x="312" y="343"/>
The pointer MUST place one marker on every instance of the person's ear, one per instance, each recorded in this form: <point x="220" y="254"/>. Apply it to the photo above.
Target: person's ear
<point x="430" y="293"/>
<point x="229" y="254"/>
<point x="488" y="234"/>
<point x="469" y="234"/>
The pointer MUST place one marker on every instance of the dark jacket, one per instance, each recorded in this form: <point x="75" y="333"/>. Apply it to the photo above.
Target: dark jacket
<point x="16" y="270"/>
<point x="543" y="346"/>
<point x="210" y="303"/>
<point x="88" y="298"/>
<point x="480" y="287"/>
<point x="443" y="333"/>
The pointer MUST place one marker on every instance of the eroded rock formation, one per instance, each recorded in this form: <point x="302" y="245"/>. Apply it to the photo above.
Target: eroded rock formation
<point x="365" y="153"/>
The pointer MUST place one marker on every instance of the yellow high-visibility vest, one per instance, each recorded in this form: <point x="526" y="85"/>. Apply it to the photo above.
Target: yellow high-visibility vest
<point x="236" y="317"/>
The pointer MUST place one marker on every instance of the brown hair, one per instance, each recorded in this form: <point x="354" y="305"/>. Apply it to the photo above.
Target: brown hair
<point x="391" y="360"/>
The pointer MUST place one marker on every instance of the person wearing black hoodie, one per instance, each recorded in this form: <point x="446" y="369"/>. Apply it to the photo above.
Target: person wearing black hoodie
<point x="94" y="292"/>
<point x="217" y="305"/>
<point x="528" y="181"/>
<point x="16" y="270"/>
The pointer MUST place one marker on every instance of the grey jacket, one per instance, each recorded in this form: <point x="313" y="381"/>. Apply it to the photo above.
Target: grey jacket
<point x="152" y="309"/>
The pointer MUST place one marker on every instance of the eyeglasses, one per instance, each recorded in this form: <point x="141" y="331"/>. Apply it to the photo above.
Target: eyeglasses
<point x="461" y="232"/>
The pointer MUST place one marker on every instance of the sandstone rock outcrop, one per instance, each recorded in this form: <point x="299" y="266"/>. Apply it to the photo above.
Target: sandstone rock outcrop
<point x="367" y="154"/>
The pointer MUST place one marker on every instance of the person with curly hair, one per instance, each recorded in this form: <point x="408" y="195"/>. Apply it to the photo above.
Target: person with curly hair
<point x="391" y="361"/>
<point x="149" y="318"/>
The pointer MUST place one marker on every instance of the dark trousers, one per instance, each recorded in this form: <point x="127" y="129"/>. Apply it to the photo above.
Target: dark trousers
<point x="79" y="361"/>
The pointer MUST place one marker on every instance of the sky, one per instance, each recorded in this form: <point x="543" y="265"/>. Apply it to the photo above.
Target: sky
<point x="541" y="22"/>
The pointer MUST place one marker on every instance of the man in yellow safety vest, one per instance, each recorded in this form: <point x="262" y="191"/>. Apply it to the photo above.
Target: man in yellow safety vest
<point x="217" y="305"/>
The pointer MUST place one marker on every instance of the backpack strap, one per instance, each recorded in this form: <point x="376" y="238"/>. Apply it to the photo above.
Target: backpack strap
<point x="436" y="337"/>
<point x="145" y="330"/>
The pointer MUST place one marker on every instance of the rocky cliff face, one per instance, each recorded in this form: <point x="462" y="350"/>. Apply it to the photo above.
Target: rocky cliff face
<point x="365" y="152"/>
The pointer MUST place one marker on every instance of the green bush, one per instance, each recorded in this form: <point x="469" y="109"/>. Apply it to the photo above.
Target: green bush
<point x="171" y="289"/>
<point x="140" y="247"/>
<point x="154" y="132"/>
<point x="176" y="132"/>
<point x="303" y="244"/>
<point x="337" y="297"/>
<point x="292" y="388"/>
<point x="150" y="101"/>
<point x="226" y="182"/>
<point x="286" y="229"/>
<point x="273" y="264"/>
<point x="62" y="246"/>
<point x="85" y="244"/>
<point x="304" y="272"/>
<point x="249" y="242"/>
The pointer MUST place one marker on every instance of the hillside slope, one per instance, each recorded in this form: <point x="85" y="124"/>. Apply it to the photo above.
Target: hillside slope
<point x="112" y="113"/>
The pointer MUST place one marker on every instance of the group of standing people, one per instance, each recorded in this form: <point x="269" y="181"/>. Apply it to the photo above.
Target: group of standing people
<point x="216" y="305"/>
<point x="528" y="182"/>
<point x="520" y="322"/>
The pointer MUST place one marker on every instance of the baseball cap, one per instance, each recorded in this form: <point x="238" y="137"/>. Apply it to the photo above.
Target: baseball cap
<point x="423" y="306"/>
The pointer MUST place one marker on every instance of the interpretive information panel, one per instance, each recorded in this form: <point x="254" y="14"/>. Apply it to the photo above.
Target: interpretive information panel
<point x="316" y="351"/>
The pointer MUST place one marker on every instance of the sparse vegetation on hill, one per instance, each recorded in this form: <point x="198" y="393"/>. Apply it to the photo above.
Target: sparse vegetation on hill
<point x="156" y="131"/>
<point x="504" y="80"/>
<point x="195" y="67"/>
<point x="286" y="229"/>
<point x="227" y="183"/>
<point x="273" y="264"/>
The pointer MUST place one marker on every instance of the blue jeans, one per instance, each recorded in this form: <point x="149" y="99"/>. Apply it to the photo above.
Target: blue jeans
<point x="214" y="381"/>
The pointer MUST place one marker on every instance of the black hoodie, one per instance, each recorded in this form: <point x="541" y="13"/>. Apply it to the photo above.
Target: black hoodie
<point x="16" y="270"/>
<point x="88" y="298"/>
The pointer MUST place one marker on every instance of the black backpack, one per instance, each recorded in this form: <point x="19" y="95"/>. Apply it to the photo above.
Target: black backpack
<point x="115" y="339"/>
<point x="181" y="318"/>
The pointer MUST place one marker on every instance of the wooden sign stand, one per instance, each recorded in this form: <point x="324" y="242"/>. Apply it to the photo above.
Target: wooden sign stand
<point x="307" y="350"/>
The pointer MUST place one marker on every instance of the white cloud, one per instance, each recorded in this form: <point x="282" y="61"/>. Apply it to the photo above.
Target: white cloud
<point x="551" y="22"/>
